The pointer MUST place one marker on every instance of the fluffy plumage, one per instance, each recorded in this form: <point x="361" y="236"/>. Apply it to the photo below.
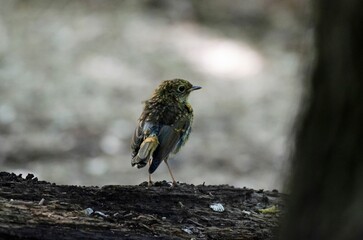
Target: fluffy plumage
<point x="164" y="125"/>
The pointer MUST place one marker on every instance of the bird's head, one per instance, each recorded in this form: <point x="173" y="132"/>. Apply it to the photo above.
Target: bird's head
<point x="178" y="89"/>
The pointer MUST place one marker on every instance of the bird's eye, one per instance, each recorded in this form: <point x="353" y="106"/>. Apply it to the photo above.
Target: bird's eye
<point x="181" y="89"/>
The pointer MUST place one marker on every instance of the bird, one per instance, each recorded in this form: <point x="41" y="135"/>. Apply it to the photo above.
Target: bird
<point x="164" y="125"/>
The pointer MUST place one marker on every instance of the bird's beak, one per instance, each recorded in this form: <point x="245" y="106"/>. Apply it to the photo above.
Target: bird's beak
<point x="195" y="88"/>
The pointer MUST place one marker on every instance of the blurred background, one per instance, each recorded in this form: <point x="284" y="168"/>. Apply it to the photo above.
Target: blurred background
<point x="73" y="75"/>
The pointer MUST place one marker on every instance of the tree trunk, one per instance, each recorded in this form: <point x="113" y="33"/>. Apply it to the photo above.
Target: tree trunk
<point x="134" y="212"/>
<point x="327" y="168"/>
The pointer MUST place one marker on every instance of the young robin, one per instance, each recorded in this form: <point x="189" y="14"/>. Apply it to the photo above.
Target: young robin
<point x="164" y="125"/>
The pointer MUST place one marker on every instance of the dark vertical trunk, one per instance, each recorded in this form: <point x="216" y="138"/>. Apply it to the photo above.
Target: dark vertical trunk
<point x="327" y="166"/>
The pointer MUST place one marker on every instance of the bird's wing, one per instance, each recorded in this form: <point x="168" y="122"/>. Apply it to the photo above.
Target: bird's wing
<point x="144" y="142"/>
<point x="184" y="137"/>
<point x="170" y="138"/>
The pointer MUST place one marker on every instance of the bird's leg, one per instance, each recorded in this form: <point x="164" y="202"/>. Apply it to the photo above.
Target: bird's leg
<point x="150" y="183"/>
<point x="171" y="174"/>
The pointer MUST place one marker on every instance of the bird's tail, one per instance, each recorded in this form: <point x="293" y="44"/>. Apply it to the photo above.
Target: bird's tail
<point x="154" y="164"/>
<point x="145" y="152"/>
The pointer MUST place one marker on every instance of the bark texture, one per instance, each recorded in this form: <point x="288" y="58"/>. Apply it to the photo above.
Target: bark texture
<point x="134" y="212"/>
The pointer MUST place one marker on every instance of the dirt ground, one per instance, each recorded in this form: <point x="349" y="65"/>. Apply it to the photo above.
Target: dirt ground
<point x="33" y="209"/>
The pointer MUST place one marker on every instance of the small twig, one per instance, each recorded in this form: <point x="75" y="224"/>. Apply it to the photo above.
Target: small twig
<point x="196" y="223"/>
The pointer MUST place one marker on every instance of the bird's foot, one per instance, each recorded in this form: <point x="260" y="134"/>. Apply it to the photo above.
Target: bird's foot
<point x="150" y="183"/>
